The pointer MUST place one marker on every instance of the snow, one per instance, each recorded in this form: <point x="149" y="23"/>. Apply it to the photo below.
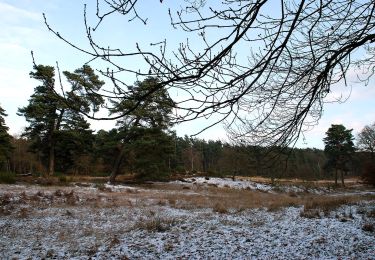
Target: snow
<point x="85" y="223"/>
<point x="245" y="184"/>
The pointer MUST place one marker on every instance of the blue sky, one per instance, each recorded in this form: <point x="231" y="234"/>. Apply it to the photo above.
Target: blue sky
<point x="23" y="30"/>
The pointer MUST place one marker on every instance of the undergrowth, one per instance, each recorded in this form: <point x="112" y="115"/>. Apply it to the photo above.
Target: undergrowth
<point x="7" y="178"/>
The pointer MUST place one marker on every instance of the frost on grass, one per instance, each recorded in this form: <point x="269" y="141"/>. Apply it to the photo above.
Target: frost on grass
<point x="251" y="185"/>
<point x="84" y="223"/>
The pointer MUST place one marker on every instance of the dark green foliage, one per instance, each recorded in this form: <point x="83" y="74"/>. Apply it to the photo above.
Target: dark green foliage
<point x="44" y="114"/>
<point x="150" y="154"/>
<point x="151" y="116"/>
<point x="55" y="126"/>
<point x="142" y="143"/>
<point x="7" y="177"/>
<point x="6" y="147"/>
<point x="339" y="144"/>
<point x="368" y="172"/>
<point x="339" y="148"/>
<point x="84" y="85"/>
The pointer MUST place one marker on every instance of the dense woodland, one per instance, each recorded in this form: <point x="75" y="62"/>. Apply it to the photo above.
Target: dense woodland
<point x="59" y="140"/>
<point x="158" y="156"/>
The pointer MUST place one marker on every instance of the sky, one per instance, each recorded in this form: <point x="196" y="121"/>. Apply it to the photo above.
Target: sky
<point x="23" y="30"/>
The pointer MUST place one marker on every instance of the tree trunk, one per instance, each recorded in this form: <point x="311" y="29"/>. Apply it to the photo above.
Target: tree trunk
<point x="51" y="157"/>
<point x="192" y="159"/>
<point x="116" y="166"/>
<point x="336" y="177"/>
<point x="342" y="178"/>
<point x="54" y="128"/>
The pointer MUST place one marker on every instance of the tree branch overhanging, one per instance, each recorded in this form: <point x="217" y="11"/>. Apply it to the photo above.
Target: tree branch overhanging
<point x="264" y="67"/>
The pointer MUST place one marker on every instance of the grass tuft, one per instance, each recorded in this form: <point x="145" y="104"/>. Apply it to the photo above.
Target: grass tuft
<point x="155" y="224"/>
<point x="369" y="227"/>
<point x="7" y="178"/>
<point x="220" y="208"/>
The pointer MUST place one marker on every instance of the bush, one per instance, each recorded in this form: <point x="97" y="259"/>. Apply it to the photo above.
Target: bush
<point x="151" y="172"/>
<point x="368" y="173"/>
<point x="7" y="177"/>
<point x="368" y="227"/>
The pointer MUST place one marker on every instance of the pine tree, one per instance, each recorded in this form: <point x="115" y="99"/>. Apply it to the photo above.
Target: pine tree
<point x="6" y="147"/>
<point x="152" y="113"/>
<point x="339" y="148"/>
<point x="48" y="114"/>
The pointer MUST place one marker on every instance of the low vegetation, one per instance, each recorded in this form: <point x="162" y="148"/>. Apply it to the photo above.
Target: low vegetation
<point x="7" y="177"/>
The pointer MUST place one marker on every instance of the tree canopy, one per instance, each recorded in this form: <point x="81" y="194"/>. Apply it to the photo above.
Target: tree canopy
<point x="262" y="67"/>
<point x="339" y="147"/>
<point x="55" y="121"/>
<point x="6" y="147"/>
<point x="366" y="139"/>
<point x="143" y="132"/>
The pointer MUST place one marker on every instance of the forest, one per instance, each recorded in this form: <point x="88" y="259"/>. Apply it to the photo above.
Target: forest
<point x="59" y="141"/>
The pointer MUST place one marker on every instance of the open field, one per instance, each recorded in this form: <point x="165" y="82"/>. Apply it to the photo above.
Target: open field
<point x="194" y="218"/>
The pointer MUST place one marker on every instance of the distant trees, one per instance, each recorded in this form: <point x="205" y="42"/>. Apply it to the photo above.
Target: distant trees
<point x="142" y="142"/>
<point x="51" y="120"/>
<point x="366" y="143"/>
<point x="339" y="148"/>
<point x="6" y="147"/>
<point x="366" y="139"/>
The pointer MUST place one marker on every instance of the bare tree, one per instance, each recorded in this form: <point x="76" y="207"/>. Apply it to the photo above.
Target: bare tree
<point x="366" y="139"/>
<point x="264" y="74"/>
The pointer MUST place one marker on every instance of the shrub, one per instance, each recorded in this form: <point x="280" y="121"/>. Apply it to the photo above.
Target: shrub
<point x="368" y="173"/>
<point x="7" y="177"/>
<point x="63" y="179"/>
<point x="368" y="227"/>
<point x="220" y="208"/>
<point x="313" y="207"/>
<point x="155" y="224"/>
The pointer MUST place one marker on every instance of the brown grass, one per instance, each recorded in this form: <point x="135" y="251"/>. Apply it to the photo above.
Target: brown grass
<point x="315" y="206"/>
<point x="369" y="227"/>
<point x="352" y="181"/>
<point x="155" y="223"/>
<point x="225" y="199"/>
<point x="220" y="208"/>
<point x="221" y="200"/>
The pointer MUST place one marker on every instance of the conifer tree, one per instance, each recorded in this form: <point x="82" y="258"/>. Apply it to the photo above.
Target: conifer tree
<point x="151" y="117"/>
<point x="5" y="142"/>
<point x="48" y="113"/>
<point x="339" y="148"/>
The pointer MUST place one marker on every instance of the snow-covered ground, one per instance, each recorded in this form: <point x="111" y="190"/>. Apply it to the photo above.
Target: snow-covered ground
<point x="245" y="184"/>
<point x="128" y="223"/>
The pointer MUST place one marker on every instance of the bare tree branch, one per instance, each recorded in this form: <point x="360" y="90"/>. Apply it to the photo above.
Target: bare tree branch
<point x="265" y="74"/>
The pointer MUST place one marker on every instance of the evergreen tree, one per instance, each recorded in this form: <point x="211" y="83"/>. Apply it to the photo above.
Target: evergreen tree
<point x="74" y="142"/>
<point x="48" y="114"/>
<point x="44" y="114"/>
<point x="6" y="147"/>
<point x="152" y="113"/>
<point x="339" y="148"/>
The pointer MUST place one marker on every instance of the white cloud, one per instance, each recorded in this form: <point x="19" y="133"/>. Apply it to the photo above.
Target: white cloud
<point x="11" y="14"/>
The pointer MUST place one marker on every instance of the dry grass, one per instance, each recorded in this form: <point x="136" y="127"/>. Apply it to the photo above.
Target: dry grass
<point x="352" y="181"/>
<point x="220" y="208"/>
<point x="227" y="200"/>
<point x="221" y="200"/>
<point x="369" y="227"/>
<point x="314" y="207"/>
<point x="155" y="223"/>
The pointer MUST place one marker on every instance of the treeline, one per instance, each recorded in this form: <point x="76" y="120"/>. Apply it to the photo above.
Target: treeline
<point x="155" y="156"/>
<point x="59" y="139"/>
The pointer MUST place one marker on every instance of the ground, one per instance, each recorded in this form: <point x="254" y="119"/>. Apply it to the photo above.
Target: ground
<point x="196" y="218"/>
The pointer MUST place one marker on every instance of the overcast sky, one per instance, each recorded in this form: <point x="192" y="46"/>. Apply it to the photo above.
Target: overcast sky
<point x="23" y="30"/>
